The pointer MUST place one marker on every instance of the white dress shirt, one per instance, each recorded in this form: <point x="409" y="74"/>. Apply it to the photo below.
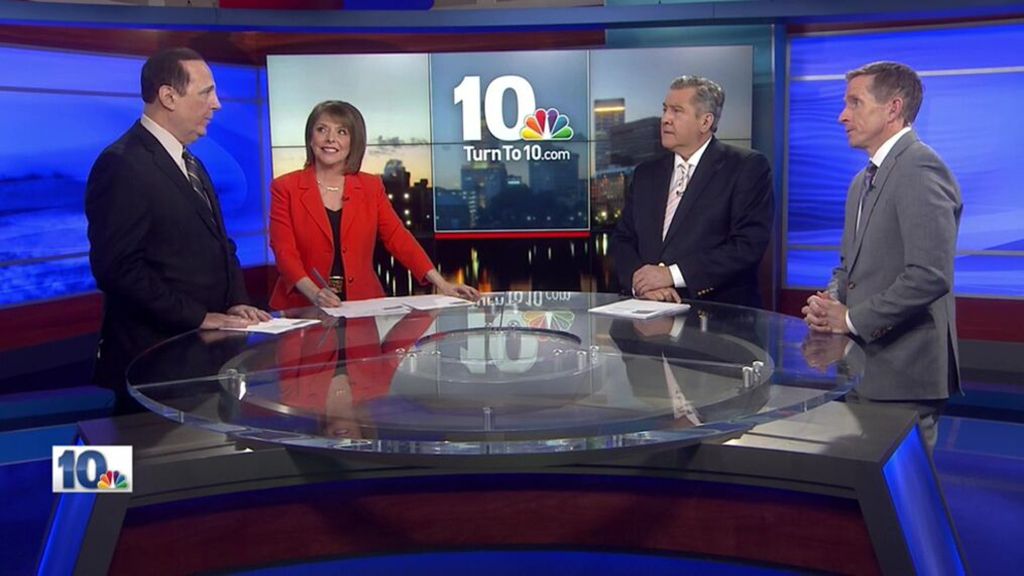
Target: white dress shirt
<point x="167" y="140"/>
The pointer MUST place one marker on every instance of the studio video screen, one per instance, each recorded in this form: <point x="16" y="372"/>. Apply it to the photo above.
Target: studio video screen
<point x="510" y="142"/>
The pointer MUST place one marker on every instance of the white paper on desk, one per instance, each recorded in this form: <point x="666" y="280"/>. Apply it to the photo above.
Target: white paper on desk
<point x="640" y="309"/>
<point x="366" y="308"/>
<point x="277" y="325"/>
<point x="432" y="302"/>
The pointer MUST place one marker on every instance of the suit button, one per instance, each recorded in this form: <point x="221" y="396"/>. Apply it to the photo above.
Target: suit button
<point x="851" y="286"/>
<point x="351" y="279"/>
<point x="344" y="250"/>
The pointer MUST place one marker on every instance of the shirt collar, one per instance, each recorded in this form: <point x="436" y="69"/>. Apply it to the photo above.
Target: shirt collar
<point x="886" y="146"/>
<point x="166" y="139"/>
<point x="694" y="158"/>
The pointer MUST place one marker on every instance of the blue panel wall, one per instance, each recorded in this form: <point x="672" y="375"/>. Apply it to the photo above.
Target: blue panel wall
<point x="974" y="82"/>
<point x="58" y="111"/>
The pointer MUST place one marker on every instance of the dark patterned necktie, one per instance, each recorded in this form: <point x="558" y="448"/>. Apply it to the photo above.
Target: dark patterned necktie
<point x="869" y="181"/>
<point x="193" y="170"/>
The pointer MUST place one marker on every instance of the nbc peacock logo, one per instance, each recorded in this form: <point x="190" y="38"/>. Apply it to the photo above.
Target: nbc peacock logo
<point x="546" y="125"/>
<point x="113" y="480"/>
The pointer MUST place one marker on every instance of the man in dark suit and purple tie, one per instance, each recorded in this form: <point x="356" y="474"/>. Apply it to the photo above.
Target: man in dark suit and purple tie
<point x="697" y="221"/>
<point x="157" y="243"/>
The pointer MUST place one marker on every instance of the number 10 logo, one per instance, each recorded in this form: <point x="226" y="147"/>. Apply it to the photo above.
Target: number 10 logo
<point x="92" y="468"/>
<point x="467" y="93"/>
<point x="531" y="123"/>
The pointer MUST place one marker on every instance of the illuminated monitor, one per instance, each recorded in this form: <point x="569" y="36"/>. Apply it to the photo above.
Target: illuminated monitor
<point x="519" y="143"/>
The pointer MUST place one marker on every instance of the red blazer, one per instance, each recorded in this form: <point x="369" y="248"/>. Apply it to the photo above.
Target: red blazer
<point x="300" y="236"/>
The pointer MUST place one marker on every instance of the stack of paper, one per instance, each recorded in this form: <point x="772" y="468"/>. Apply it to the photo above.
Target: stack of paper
<point x="640" y="309"/>
<point x="365" y="308"/>
<point x="432" y="302"/>
<point x="277" y="325"/>
<point x="387" y="306"/>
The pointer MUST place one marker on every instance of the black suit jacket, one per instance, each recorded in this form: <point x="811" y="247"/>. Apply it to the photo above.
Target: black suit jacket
<point x="719" y="232"/>
<point x="160" y="255"/>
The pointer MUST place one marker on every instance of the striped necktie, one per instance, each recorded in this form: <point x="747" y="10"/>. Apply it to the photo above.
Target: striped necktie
<point x="193" y="170"/>
<point x="680" y="179"/>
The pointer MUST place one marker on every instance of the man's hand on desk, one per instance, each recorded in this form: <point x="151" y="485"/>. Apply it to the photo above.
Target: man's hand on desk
<point x="216" y="321"/>
<point x="650" y="277"/>
<point x="249" y="313"/>
<point x="661" y="295"/>
<point x="238" y="316"/>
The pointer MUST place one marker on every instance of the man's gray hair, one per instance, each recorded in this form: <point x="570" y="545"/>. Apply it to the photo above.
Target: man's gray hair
<point x="708" y="96"/>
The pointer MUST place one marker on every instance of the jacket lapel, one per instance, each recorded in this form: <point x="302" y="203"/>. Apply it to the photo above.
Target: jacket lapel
<point x="309" y="196"/>
<point x="351" y="196"/>
<point x="709" y="164"/>
<point x="877" y="189"/>
<point x="174" y="174"/>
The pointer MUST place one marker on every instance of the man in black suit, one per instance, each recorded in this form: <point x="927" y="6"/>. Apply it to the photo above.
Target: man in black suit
<point x="158" y="247"/>
<point x="697" y="221"/>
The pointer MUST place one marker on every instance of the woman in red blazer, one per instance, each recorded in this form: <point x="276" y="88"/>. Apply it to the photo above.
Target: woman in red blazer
<point x="326" y="218"/>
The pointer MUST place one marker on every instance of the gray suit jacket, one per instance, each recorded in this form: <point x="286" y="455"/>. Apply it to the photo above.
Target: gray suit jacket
<point x="896" y="275"/>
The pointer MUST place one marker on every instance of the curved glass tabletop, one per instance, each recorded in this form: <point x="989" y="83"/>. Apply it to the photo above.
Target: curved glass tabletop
<point x="519" y="373"/>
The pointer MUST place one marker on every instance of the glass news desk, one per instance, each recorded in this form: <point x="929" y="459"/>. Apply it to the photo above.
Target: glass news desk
<point x="521" y="423"/>
<point x="518" y="374"/>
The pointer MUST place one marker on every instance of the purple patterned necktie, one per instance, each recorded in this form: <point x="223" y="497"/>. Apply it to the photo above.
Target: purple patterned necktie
<point x="866" y="185"/>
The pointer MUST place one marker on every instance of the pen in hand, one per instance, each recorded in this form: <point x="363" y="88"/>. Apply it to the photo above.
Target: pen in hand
<point x="321" y="295"/>
<point x="321" y="283"/>
<point x="322" y="300"/>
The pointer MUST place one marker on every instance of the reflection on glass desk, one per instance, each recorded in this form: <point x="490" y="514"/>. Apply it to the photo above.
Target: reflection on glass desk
<point x="520" y="373"/>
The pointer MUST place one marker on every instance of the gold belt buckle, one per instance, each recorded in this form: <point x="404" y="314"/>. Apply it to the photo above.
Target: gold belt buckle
<point x="336" y="284"/>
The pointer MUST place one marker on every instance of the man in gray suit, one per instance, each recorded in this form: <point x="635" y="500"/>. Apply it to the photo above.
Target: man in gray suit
<point x="892" y="290"/>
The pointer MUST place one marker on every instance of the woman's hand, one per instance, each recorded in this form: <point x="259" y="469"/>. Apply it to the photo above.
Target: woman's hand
<point x="449" y="289"/>
<point x="326" y="298"/>
<point x="317" y="296"/>
<point x="458" y="291"/>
